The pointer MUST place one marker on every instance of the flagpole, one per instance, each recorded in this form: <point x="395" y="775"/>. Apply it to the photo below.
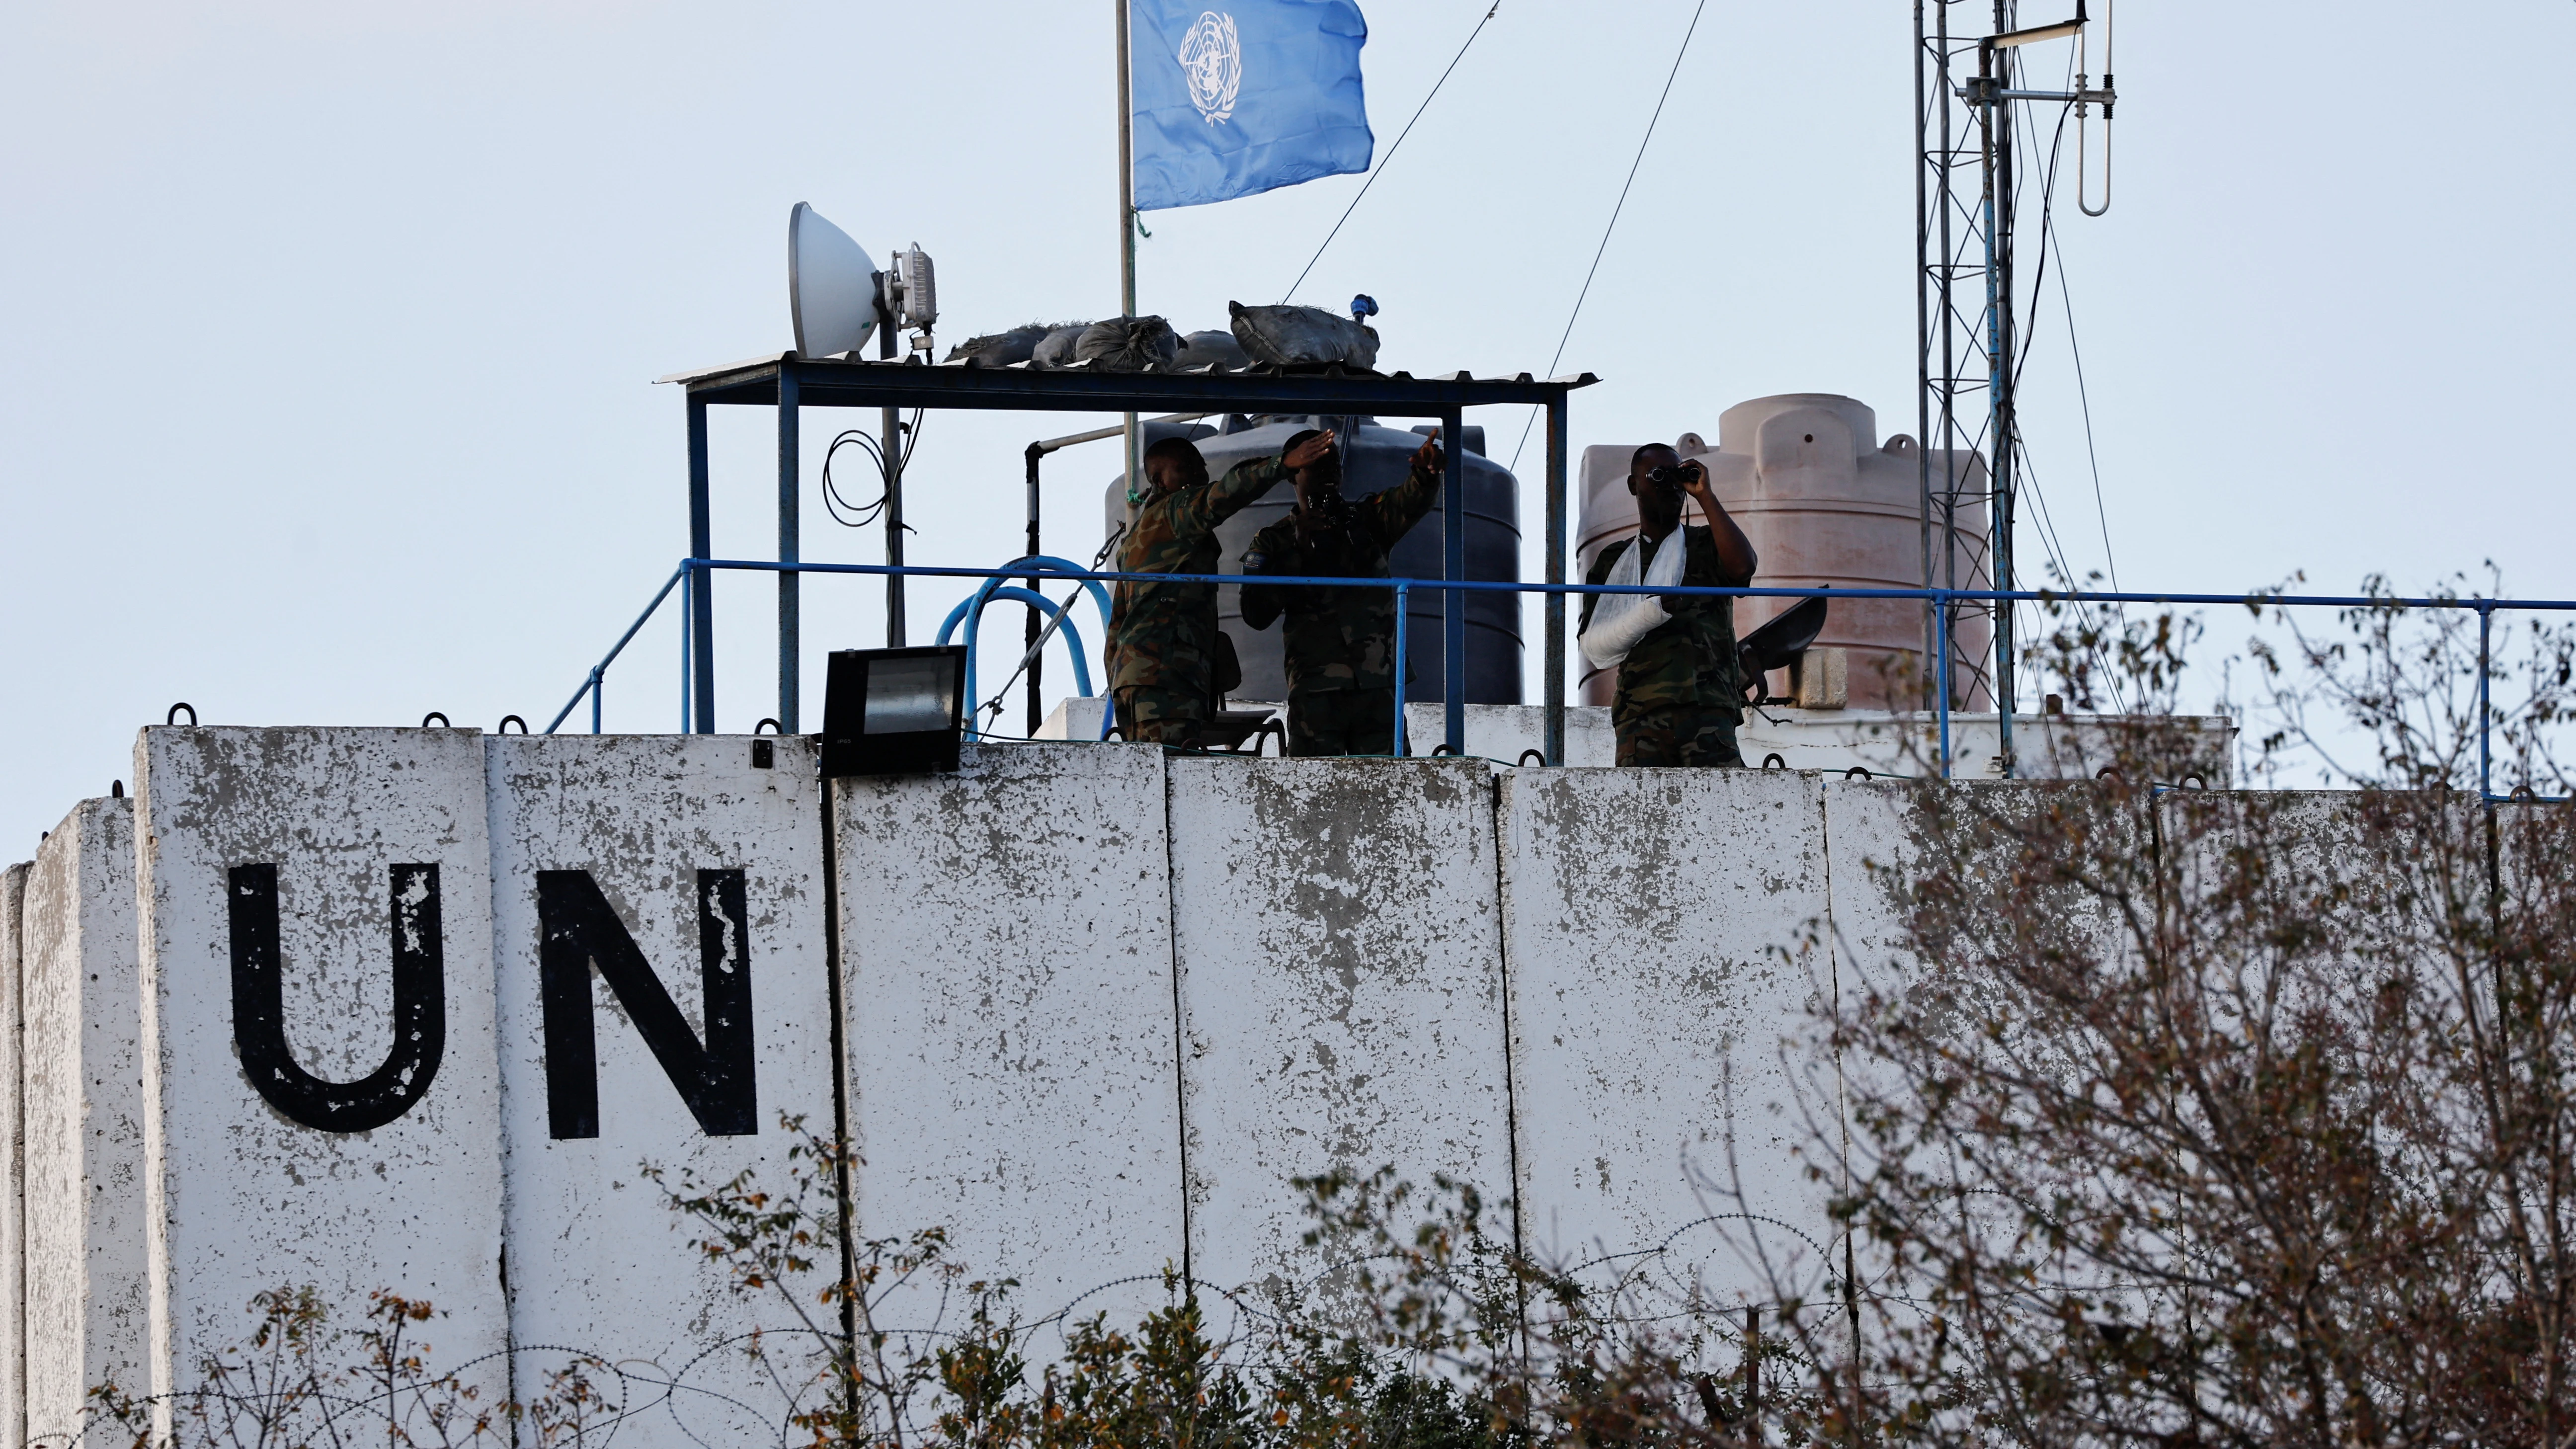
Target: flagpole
<point x="1126" y="211"/>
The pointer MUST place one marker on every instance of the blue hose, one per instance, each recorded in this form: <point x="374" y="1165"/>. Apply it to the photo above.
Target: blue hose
<point x="994" y="588"/>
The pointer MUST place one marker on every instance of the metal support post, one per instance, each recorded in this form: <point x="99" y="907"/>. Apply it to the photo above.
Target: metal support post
<point x="1453" y="568"/>
<point x="1923" y="435"/>
<point x="1127" y="224"/>
<point x="2486" y="617"/>
<point x="1401" y="600"/>
<point x="1941" y="653"/>
<point x="789" y="550"/>
<point x="1035" y="658"/>
<point x="1552" y="695"/>
<point x="2000" y="426"/>
<point x="594" y="699"/>
<point x="890" y="440"/>
<point x="701" y="597"/>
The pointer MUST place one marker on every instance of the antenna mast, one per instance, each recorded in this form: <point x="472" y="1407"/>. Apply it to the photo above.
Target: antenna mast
<point x="1965" y="206"/>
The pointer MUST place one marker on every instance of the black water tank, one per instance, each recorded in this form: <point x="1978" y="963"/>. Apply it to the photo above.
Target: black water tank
<point x="1376" y="458"/>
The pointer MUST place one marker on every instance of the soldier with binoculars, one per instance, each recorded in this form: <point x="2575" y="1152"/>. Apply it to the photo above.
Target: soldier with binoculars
<point x="1681" y="692"/>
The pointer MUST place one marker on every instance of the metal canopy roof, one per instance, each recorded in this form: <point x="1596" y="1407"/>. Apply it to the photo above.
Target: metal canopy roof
<point x="791" y="383"/>
<point x="834" y="382"/>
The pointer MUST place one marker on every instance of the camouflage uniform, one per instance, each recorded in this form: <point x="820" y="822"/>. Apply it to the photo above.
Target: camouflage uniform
<point x="1681" y="693"/>
<point x="1162" y="637"/>
<point x="1340" y="643"/>
<point x="1342" y="722"/>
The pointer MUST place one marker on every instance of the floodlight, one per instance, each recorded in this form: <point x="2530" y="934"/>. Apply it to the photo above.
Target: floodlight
<point x="831" y="286"/>
<point x="893" y="711"/>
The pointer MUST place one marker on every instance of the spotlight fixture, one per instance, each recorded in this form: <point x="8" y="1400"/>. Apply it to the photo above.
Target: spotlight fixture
<point x="893" y="711"/>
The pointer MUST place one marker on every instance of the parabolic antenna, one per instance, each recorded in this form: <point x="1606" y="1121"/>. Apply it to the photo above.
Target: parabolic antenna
<point x="831" y="286"/>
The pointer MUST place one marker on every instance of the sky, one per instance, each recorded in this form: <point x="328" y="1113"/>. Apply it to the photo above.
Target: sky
<point x="329" y="331"/>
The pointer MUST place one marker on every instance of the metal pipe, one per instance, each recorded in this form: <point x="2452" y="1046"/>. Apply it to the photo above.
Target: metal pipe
<point x="1402" y="596"/>
<point x="1949" y="364"/>
<point x="1035" y="658"/>
<point x="1453" y="567"/>
<point x="1923" y="323"/>
<point x="686" y="567"/>
<point x="1098" y="434"/>
<point x="790" y="550"/>
<point x="1750" y="591"/>
<point x="890" y="443"/>
<point x="692" y="572"/>
<point x="2486" y="617"/>
<point x="1999" y="416"/>
<point x="1127" y="214"/>
<point x="594" y="699"/>
<point x="702" y="604"/>
<point x="1552" y="737"/>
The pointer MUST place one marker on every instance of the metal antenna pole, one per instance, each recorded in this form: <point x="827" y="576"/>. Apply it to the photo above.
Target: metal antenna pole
<point x="1127" y="212"/>
<point x="1951" y="341"/>
<point x="1995" y="130"/>
<point x="1923" y="341"/>
<point x="890" y="438"/>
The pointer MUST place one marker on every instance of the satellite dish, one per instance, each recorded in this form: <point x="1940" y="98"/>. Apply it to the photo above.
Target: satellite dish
<point x="831" y="286"/>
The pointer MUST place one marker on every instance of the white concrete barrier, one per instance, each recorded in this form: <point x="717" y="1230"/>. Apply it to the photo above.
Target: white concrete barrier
<point x="87" y="1309"/>
<point x="658" y="936"/>
<point x="1661" y="1109"/>
<point x="1340" y="989"/>
<point x="1006" y="938"/>
<point x="1099" y="1005"/>
<point x="321" y="1092"/>
<point x="13" y="1163"/>
<point x="1507" y="732"/>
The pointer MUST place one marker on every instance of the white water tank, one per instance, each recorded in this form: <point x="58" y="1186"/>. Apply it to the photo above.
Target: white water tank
<point x="1825" y="505"/>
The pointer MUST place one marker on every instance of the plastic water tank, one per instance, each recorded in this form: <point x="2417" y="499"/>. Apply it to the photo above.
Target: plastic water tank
<point x="1824" y="504"/>
<point x="1376" y="458"/>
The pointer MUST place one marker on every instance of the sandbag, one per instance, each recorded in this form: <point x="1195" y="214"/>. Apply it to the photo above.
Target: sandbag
<point x="1212" y="348"/>
<point x="1128" y="344"/>
<point x="1293" y="336"/>
<point x="1057" y="348"/>
<point x="1001" y="349"/>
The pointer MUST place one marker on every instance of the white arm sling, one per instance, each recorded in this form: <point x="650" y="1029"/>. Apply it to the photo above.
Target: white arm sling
<point x="1619" y="621"/>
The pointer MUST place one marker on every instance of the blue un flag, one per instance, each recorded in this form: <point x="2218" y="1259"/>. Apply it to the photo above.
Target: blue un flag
<point x="1241" y="96"/>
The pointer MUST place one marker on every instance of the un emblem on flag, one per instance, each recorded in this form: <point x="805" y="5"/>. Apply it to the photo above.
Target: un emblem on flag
<point x="1212" y="60"/>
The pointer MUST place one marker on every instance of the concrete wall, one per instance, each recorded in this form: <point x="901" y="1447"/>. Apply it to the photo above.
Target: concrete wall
<point x="13" y="1163"/>
<point x="1654" y="1015"/>
<point x="86" y="1305"/>
<point x="597" y="1258"/>
<point x="1006" y="936"/>
<point x="1099" y="1004"/>
<point x="246" y="1192"/>
<point x="1341" y="992"/>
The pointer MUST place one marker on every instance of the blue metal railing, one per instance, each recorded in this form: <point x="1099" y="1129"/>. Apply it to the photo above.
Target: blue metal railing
<point x="690" y="570"/>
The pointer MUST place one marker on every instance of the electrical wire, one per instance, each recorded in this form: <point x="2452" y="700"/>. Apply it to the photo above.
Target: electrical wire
<point x="1380" y="167"/>
<point x="2050" y="542"/>
<point x="1621" y="205"/>
<point x="861" y="515"/>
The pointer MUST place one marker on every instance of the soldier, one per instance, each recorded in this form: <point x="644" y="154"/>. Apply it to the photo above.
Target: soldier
<point x="1681" y="692"/>
<point x="1163" y="637"/>
<point x="1340" y="643"/>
